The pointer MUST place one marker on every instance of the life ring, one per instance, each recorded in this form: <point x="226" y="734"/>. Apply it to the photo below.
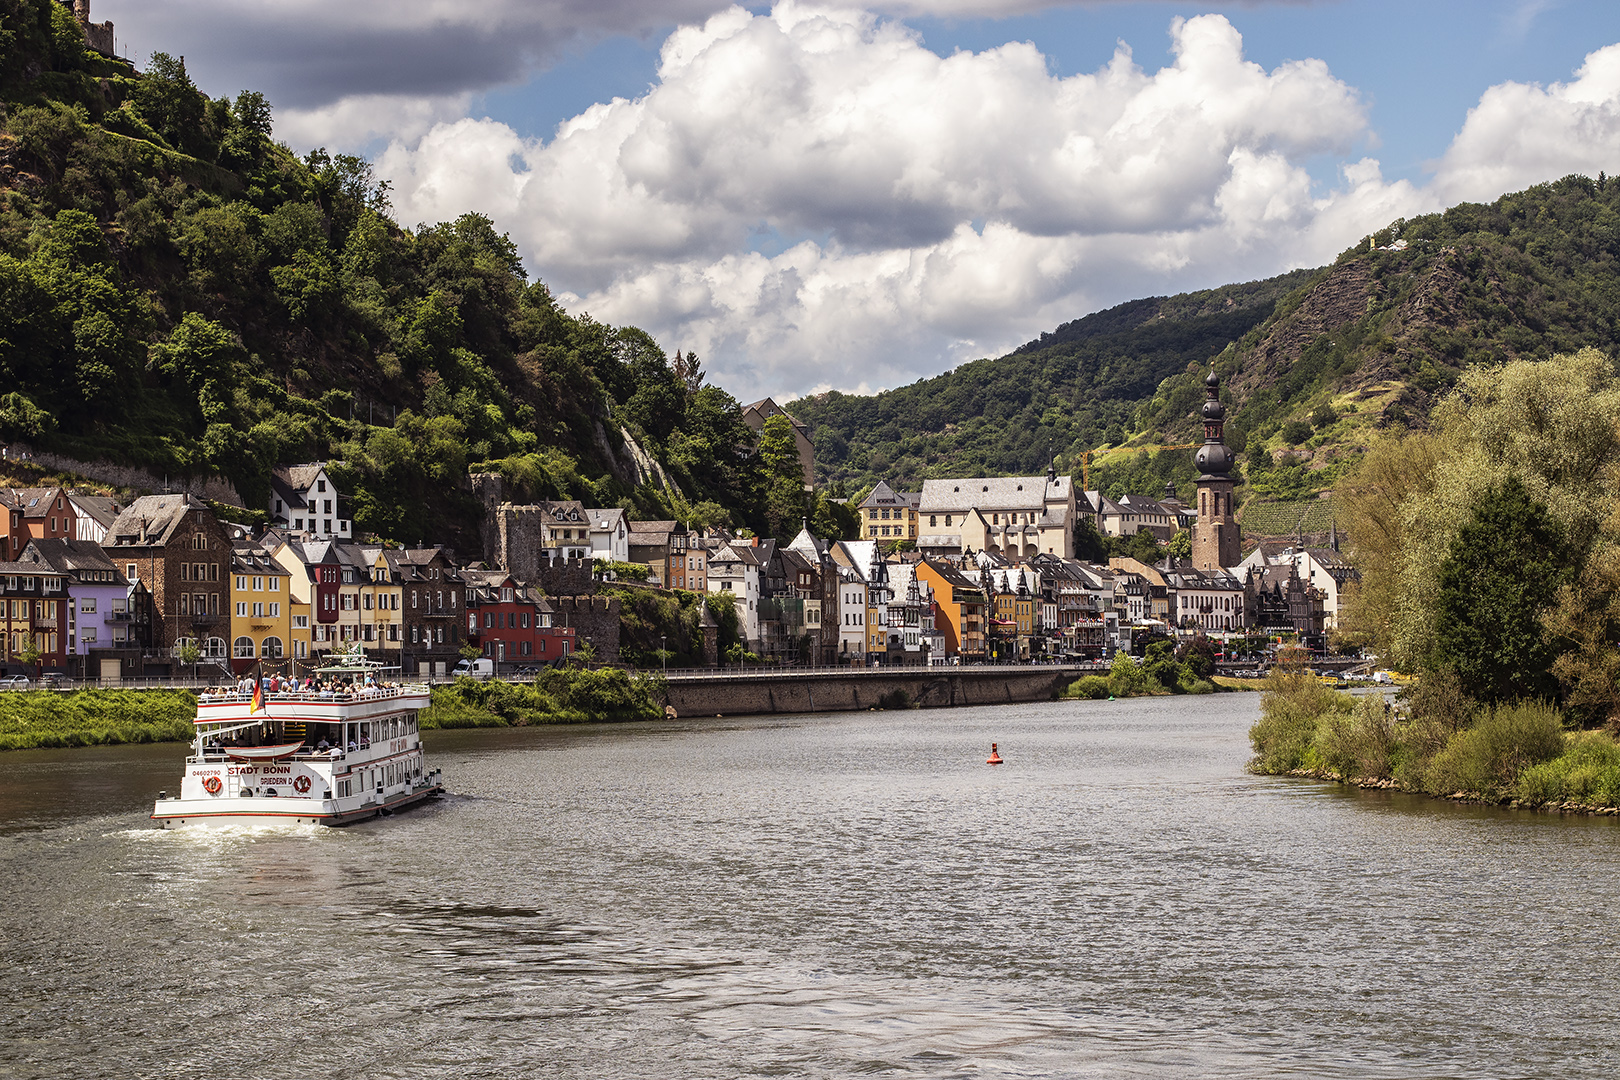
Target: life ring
<point x="301" y="784"/>
<point x="212" y="784"/>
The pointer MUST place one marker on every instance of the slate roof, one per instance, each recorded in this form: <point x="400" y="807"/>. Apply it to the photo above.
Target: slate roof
<point x="73" y="556"/>
<point x="992" y="493"/>
<point x="151" y="520"/>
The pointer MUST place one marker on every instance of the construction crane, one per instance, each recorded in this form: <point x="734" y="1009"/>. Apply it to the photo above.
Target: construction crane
<point x="1085" y="458"/>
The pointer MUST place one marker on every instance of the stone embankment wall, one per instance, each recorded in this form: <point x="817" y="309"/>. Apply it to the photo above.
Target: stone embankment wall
<point x="114" y="474"/>
<point x="750" y="695"/>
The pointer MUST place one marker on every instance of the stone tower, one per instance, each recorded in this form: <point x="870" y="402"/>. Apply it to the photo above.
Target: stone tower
<point x="1216" y="539"/>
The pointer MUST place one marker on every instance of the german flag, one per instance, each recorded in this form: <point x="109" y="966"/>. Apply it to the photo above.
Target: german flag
<point x="258" y="698"/>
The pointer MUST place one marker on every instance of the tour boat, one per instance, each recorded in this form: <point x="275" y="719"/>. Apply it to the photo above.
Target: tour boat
<point x="347" y="751"/>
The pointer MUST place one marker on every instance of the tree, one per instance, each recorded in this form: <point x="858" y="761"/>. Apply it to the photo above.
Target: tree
<point x="1504" y="569"/>
<point x="1180" y="545"/>
<point x="784" y="477"/>
<point x="1089" y="544"/>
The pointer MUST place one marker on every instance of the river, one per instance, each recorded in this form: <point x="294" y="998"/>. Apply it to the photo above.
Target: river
<point x="833" y="895"/>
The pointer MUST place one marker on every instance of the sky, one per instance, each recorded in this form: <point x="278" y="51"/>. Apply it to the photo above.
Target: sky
<point x="814" y="195"/>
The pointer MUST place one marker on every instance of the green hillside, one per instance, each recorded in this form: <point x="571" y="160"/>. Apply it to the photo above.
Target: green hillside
<point x="179" y="291"/>
<point x="1314" y="362"/>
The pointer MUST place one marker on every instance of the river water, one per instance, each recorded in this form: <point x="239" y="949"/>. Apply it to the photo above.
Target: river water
<point x="840" y="895"/>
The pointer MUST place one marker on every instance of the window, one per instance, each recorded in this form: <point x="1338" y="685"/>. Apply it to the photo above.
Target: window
<point x="301" y="649"/>
<point x="258" y="611"/>
<point x="320" y="485"/>
<point x="87" y="604"/>
<point x="241" y="583"/>
<point x="270" y="648"/>
<point x="258" y="584"/>
<point x="88" y="634"/>
<point x="413" y="599"/>
<point x="300" y="622"/>
<point x="185" y="571"/>
<point x="243" y="648"/>
<point x="241" y="609"/>
<point x="414" y="631"/>
<point x="326" y="508"/>
<point x="275" y="611"/>
<point x="365" y="601"/>
<point x="524" y="621"/>
<point x="275" y="584"/>
<point x="129" y="572"/>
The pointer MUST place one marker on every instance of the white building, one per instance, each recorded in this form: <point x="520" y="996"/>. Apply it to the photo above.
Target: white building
<point x="1322" y="567"/>
<point x="303" y="500"/>
<point x="734" y="569"/>
<point x="1018" y="516"/>
<point x="610" y="535"/>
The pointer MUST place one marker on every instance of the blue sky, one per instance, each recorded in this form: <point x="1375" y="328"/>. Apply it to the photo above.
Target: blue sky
<point x="822" y="196"/>
<point x="1421" y="66"/>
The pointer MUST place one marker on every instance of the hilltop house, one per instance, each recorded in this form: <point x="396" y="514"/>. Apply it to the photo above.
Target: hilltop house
<point x="304" y="500"/>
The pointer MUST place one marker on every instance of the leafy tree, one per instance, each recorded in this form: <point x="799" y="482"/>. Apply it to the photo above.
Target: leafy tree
<point x="1180" y="545"/>
<point x="1089" y="544"/>
<point x="784" y="477"/>
<point x="1503" y="570"/>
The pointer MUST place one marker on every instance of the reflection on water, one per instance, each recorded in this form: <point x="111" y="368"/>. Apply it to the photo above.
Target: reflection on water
<point x="822" y="896"/>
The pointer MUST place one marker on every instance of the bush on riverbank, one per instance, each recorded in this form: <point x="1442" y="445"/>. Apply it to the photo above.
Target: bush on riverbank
<point x="1159" y="673"/>
<point x="557" y="696"/>
<point x="1088" y="687"/>
<point x="1447" y="746"/>
<point x="44" y="718"/>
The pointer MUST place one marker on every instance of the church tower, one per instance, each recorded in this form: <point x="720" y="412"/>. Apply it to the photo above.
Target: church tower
<point x="1216" y="539"/>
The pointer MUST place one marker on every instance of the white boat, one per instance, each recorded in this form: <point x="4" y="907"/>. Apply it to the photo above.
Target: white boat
<point x="347" y="752"/>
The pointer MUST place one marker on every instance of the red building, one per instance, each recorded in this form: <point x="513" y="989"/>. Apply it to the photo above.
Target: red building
<point x="512" y="623"/>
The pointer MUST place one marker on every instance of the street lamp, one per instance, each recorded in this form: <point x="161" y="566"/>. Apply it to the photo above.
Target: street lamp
<point x="663" y="652"/>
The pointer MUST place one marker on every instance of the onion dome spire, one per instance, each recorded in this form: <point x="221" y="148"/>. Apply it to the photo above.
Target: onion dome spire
<point x="1214" y="459"/>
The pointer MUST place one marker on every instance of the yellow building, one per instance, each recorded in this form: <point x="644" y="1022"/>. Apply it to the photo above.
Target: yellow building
<point x="300" y="630"/>
<point x="368" y="604"/>
<point x="889" y="515"/>
<point x="261" y="610"/>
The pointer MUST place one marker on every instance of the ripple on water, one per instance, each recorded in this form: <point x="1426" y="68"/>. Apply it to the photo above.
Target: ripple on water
<point x="818" y="896"/>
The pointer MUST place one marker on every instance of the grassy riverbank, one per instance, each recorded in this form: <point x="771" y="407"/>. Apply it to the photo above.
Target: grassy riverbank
<point x="33" y="719"/>
<point x="30" y="719"/>
<point x="1159" y="673"/>
<point x="1517" y="754"/>
<point x="556" y="697"/>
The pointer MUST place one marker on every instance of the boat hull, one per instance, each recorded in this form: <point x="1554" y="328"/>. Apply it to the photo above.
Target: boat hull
<point x="278" y="810"/>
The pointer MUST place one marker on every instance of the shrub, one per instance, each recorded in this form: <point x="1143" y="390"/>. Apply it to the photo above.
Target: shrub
<point x="1291" y="709"/>
<point x="1486" y="760"/>
<point x="1587" y="772"/>
<point x="1359" y="744"/>
<point x="1127" y="678"/>
<point x="1094" y="687"/>
<point x="94" y="717"/>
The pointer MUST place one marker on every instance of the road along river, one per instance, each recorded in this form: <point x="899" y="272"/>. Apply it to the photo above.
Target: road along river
<point x="834" y="895"/>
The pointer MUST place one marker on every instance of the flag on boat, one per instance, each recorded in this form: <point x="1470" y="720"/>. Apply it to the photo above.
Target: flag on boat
<point x="258" y="698"/>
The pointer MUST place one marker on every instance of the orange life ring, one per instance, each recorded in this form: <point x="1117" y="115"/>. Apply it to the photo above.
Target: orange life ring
<point x="301" y="784"/>
<point x="212" y="784"/>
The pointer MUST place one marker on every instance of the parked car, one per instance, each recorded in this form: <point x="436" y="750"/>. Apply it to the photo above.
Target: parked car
<point x="53" y="678"/>
<point x="14" y="682"/>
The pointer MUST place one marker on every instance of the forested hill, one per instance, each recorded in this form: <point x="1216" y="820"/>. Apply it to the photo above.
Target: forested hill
<point x="179" y="291"/>
<point x="1074" y="388"/>
<point x="1314" y="362"/>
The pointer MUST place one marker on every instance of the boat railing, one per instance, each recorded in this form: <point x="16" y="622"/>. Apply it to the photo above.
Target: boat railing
<point x="219" y="755"/>
<point x="325" y="696"/>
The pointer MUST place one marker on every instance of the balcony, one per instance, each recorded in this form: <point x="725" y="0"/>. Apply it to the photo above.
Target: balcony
<point x="44" y="624"/>
<point x="441" y="613"/>
<point x="119" y="616"/>
<point x="201" y="619"/>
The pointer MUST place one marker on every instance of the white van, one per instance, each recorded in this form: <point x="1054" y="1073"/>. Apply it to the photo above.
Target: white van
<point x="479" y="669"/>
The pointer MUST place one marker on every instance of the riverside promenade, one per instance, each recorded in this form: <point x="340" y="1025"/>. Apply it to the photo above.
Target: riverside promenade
<point x="800" y="690"/>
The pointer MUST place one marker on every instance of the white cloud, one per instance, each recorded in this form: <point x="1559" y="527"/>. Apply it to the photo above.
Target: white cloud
<point x="911" y="211"/>
<point x="1521" y="134"/>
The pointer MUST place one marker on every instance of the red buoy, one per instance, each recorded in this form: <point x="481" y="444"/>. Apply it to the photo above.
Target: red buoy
<point x="994" y="758"/>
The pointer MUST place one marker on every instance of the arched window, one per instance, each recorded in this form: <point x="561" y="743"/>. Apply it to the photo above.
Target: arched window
<point x="243" y="649"/>
<point x="215" y="648"/>
<point x="270" y="648"/>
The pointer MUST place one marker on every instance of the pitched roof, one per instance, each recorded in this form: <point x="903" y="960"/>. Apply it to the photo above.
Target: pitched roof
<point x="299" y="476"/>
<point x="35" y="501"/>
<point x="151" y="520"/>
<point x="72" y="556"/>
<point x="993" y="493"/>
<point x="104" y="510"/>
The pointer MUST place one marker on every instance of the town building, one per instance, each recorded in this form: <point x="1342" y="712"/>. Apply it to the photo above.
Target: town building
<point x="960" y="609"/>
<point x="95" y="618"/>
<point x="261" y="610"/>
<point x="1019" y="516"/>
<point x="176" y="548"/>
<point x="733" y="568"/>
<point x="93" y="515"/>
<point x="431" y="593"/>
<point x="888" y="515"/>
<point x="1207" y="600"/>
<point x="304" y="500"/>
<point x="667" y="550"/>
<point x="1320" y="567"/>
<point x="34" y="604"/>
<point x="609" y="534"/>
